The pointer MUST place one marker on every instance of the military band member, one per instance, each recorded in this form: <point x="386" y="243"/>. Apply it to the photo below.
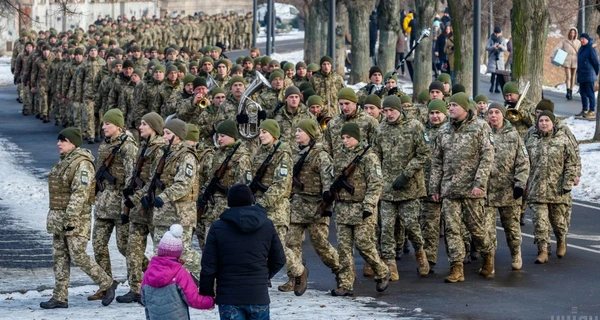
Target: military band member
<point x="317" y="108"/>
<point x="274" y="96"/>
<point x="482" y="105"/>
<point x="207" y="121"/>
<point x="290" y="114"/>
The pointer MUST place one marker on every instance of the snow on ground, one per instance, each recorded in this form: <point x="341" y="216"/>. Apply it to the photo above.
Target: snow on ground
<point x="582" y="129"/>
<point x="293" y="57"/>
<point x="589" y="186"/>
<point x="292" y="35"/>
<point x="5" y="76"/>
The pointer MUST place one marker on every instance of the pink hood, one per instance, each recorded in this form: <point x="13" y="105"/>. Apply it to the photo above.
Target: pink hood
<point x="162" y="271"/>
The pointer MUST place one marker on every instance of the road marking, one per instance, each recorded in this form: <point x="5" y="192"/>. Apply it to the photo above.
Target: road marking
<point x="553" y="241"/>
<point x="586" y="205"/>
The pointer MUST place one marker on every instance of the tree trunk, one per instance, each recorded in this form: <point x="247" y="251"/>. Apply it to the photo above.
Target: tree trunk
<point x="316" y="30"/>
<point x="341" y="17"/>
<point x="463" y="42"/>
<point x="358" y="17"/>
<point x="388" y="16"/>
<point x="530" y="21"/>
<point x="422" y="62"/>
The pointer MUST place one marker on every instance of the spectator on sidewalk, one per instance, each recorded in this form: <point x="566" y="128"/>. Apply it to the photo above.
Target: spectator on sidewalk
<point x="496" y="46"/>
<point x="571" y="46"/>
<point x="588" y="67"/>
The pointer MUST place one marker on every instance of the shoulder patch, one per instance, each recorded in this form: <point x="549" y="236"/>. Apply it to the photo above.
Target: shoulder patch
<point x="248" y="176"/>
<point x="525" y="150"/>
<point x="85" y="179"/>
<point x="283" y="170"/>
<point x="426" y="136"/>
<point x="378" y="170"/>
<point x="491" y="138"/>
<point x="189" y="169"/>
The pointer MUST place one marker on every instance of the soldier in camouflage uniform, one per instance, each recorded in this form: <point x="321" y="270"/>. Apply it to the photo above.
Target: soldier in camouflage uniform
<point x="372" y="106"/>
<point x="482" y="105"/>
<point x="122" y="80"/>
<point x="140" y="219"/>
<point x="239" y="170"/>
<point x="21" y="68"/>
<point x="289" y="115"/>
<point x="73" y="110"/>
<point x="62" y="104"/>
<point x="18" y="47"/>
<point x="510" y="171"/>
<point x="109" y="200"/>
<point x="101" y="98"/>
<point x="150" y="91"/>
<point x="71" y="188"/>
<point x="207" y="120"/>
<point x="553" y="172"/>
<point x="273" y="98"/>
<point x="376" y="86"/>
<point x="53" y="72"/>
<point x="39" y="80"/>
<point x="356" y="215"/>
<point x="181" y="102"/>
<point x="460" y="166"/>
<point x="176" y="204"/>
<point x="222" y="77"/>
<point x="167" y="88"/>
<point x="249" y="71"/>
<point x="327" y="83"/>
<point x="403" y="148"/>
<point x="139" y="61"/>
<point x="229" y="108"/>
<point x="86" y="88"/>
<point x="315" y="178"/>
<point x="300" y="75"/>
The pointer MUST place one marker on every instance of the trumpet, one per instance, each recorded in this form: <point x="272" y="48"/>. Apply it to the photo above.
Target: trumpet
<point x="203" y="103"/>
<point x="512" y="114"/>
<point x="323" y="122"/>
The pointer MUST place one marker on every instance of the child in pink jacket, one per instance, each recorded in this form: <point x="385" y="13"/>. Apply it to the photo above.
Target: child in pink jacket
<point x="168" y="289"/>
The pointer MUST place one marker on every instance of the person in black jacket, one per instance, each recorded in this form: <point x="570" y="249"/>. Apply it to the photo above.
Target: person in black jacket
<point x="242" y="253"/>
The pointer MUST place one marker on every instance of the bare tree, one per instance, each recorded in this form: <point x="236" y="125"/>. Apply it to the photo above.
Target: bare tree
<point x="358" y="15"/>
<point x="388" y="16"/>
<point x="316" y="31"/>
<point x="425" y="10"/>
<point x="461" y="12"/>
<point x="341" y="17"/>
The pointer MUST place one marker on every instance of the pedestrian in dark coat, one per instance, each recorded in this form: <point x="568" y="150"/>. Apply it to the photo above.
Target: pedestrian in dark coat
<point x="588" y="67"/>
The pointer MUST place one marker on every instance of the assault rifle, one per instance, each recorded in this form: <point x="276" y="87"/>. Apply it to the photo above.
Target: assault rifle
<point x="102" y="173"/>
<point x="214" y="185"/>
<point x="155" y="182"/>
<point x="296" y="183"/>
<point x="341" y="182"/>
<point x="136" y="182"/>
<point x="256" y="183"/>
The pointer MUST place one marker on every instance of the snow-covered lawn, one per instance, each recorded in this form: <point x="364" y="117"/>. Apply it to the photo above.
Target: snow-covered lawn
<point x="5" y="76"/>
<point x="292" y="35"/>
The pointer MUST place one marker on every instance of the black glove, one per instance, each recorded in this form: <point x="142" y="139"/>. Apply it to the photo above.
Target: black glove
<point x="328" y="197"/>
<point x="201" y="203"/>
<point x="565" y="191"/>
<point x="69" y="228"/>
<point x="241" y="118"/>
<point x="124" y="219"/>
<point x="128" y="192"/>
<point x="158" y="202"/>
<point x="129" y="204"/>
<point x="517" y="192"/>
<point x="327" y="214"/>
<point x="262" y="115"/>
<point x="366" y="214"/>
<point x="399" y="182"/>
<point x="15" y="81"/>
<point x="12" y="70"/>
<point x="145" y="202"/>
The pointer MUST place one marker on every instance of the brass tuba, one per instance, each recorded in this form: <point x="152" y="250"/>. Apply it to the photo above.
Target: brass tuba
<point x="211" y="83"/>
<point x="323" y="123"/>
<point x="512" y="114"/>
<point x="251" y="108"/>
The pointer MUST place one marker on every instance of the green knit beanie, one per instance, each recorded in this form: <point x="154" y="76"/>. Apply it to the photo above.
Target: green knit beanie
<point x="172" y="68"/>
<point x="390" y="75"/>
<point x="392" y="102"/>
<point x="310" y="127"/>
<point x="236" y="68"/>
<point x="72" y="134"/>
<point x="373" y="99"/>
<point x="348" y="94"/>
<point x="444" y="77"/>
<point x="237" y="79"/>
<point x="155" y="121"/>
<point x="160" y="68"/>
<point x="312" y="67"/>
<point x="352" y="130"/>
<point x="207" y="59"/>
<point x="481" y="97"/>
<point x="423" y="96"/>
<point x="291" y="90"/>
<point x="288" y="66"/>
<point x="193" y="133"/>
<point x="300" y="64"/>
<point x="499" y="106"/>
<point x="178" y="127"/>
<point x="248" y="59"/>
<point x="239" y="59"/>
<point x="228" y="128"/>
<point x="217" y="90"/>
<point x="510" y="87"/>
<point x="199" y="82"/>
<point x="546" y="113"/>
<point x="308" y="93"/>
<point x="314" y="99"/>
<point x="304" y="85"/>
<point x="324" y="59"/>
<point x="189" y="78"/>
<point x="265" y="60"/>
<point x="462" y="99"/>
<point x="114" y="116"/>
<point x="458" y="88"/>
<point x="272" y="127"/>
<point x="275" y="74"/>
<point x="439" y="105"/>
<point x="545" y="104"/>
<point x="405" y="99"/>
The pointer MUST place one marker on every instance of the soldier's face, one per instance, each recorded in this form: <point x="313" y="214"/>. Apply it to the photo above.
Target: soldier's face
<point x="511" y="97"/>
<point x="326" y="67"/>
<point x="222" y="70"/>
<point x="258" y="67"/>
<point x="482" y="106"/>
<point x="65" y="146"/>
<point x="168" y="135"/>
<point x="173" y="75"/>
<point x="265" y="137"/>
<point x="218" y="99"/>
<point x="315" y="109"/>
<point x="391" y="114"/>
<point x="238" y="89"/>
<point x="145" y="130"/>
<point x="137" y="54"/>
<point x="302" y="137"/>
<point x="265" y="68"/>
<point x="348" y="107"/>
<point x="201" y="90"/>
<point x="293" y="101"/>
<point x="495" y="118"/>
<point x="391" y="83"/>
<point x="348" y="141"/>
<point x="128" y="72"/>
<point x="207" y="66"/>
<point x="110" y="129"/>
<point x="277" y="83"/>
<point x="372" y="110"/>
<point x="28" y="48"/>
<point x="93" y="53"/>
<point x="46" y="53"/>
<point x="446" y="86"/>
<point x="159" y="75"/>
<point x="289" y="73"/>
<point x="377" y="78"/>
<point x="78" y="57"/>
<point x="545" y="124"/>
<point x="436" y="94"/>
<point x="301" y="72"/>
<point x="248" y="66"/>
<point x="118" y="68"/>
<point x="237" y="73"/>
<point x="224" y="140"/>
<point x="436" y="117"/>
<point x="189" y="88"/>
<point x="456" y="111"/>
<point x="194" y="70"/>
<point x="215" y="54"/>
<point x="153" y="54"/>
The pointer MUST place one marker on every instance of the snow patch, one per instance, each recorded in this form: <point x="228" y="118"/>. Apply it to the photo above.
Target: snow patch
<point x="292" y="35"/>
<point x="589" y="185"/>
<point x="6" y="76"/>
<point x="293" y="57"/>
<point x="582" y="129"/>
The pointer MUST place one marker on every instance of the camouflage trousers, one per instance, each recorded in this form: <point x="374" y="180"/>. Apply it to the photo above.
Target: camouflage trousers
<point x="431" y="213"/>
<point x="211" y="215"/>
<point x="189" y="255"/>
<point x="42" y="98"/>
<point x="137" y="262"/>
<point x="361" y="236"/>
<point x="509" y="217"/>
<point x="318" y="233"/>
<point x="293" y="264"/>
<point x="87" y="119"/>
<point x="67" y="249"/>
<point x="35" y="102"/>
<point x="76" y="108"/>
<point x="55" y="106"/>
<point x="406" y="211"/>
<point x="546" y="215"/>
<point x="27" y="99"/>
<point x="471" y="212"/>
<point x="103" y="229"/>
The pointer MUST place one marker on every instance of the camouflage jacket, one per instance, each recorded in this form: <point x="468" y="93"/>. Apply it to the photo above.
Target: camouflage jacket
<point x="183" y="105"/>
<point x="18" y="47"/>
<point x="297" y="80"/>
<point x="39" y="75"/>
<point x="371" y="88"/>
<point x="155" y="150"/>
<point x="527" y="112"/>
<point x="114" y="96"/>
<point x="20" y="65"/>
<point x="287" y="121"/>
<point x="553" y="167"/>
<point x="55" y="65"/>
<point x="69" y="74"/>
<point x="270" y="100"/>
<point x="403" y="149"/>
<point x="418" y="112"/>
<point x="462" y="158"/>
<point x="134" y="113"/>
<point x="141" y="63"/>
<point x="148" y="94"/>
<point x="87" y="79"/>
<point x="368" y="129"/>
<point x="432" y="132"/>
<point x="510" y="168"/>
<point x="101" y="99"/>
<point x="228" y="109"/>
<point x="164" y="93"/>
<point x="239" y="169"/>
<point x="206" y="122"/>
<point x="327" y="86"/>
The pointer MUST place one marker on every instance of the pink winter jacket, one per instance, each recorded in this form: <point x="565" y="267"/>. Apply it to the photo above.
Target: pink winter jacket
<point x="168" y="288"/>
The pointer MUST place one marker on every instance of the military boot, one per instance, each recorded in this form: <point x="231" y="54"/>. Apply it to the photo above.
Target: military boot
<point x="515" y="261"/>
<point x="394" y="276"/>
<point x="288" y="286"/>
<point x="456" y="273"/>
<point x="301" y="283"/>
<point x="129" y="297"/>
<point x="109" y="295"/>
<point x="423" y="264"/>
<point x="399" y="254"/>
<point x="53" y="304"/>
<point x="383" y="283"/>
<point x="467" y="258"/>
<point x="96" y="296"/>
<point x="341" y="292"/>
<point x="487" y="268"/>
<point x="367" y="270"/>
<point x="561" y="248"/>
<point x="542" y="255"/>
<point x="406" y="246"/>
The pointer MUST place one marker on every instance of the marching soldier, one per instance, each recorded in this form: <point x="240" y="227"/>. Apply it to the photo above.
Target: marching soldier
<point x="372" y="106"/>
<point x="317" y="108"/>
<point x="290" y="114"/>
<point x="167" y="88"/>
<point x="482" y="105"/>
<point x="207" y="121"/>
<point x="121" y="81"/>
<point x="87" y="86"/>
<point x="326" y="82"/>
<point x="273" y="97"/>
<point x="300" y="75"/>
<point x="39" y="80"/>
<point x="116" y="156"/>
<point x="71" y="186"/>
<point x="150" y="91"/>
<point x="20" y="68"/>
<point x="376" y="85"/>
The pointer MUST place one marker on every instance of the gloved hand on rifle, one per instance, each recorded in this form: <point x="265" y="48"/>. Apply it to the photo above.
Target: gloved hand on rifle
<point x="124" y="219"/>
<point x="128" y="192"/>
<point x="201" y="203"/>
<point x="128" y="203"/>
<point x="158" y="202"/>
<point x="145" y="202"/>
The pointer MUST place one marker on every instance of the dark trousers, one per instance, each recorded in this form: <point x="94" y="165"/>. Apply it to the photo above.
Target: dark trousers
<point x="399" y="57"/>
<point x="588" y="98"/>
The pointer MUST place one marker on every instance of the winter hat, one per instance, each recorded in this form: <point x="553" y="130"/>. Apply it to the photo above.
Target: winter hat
<point x="228" y="128"/>
<point x="314" y="99"/>
<point x="114" y="116"/>
<point x="236" y="68"/>
<point x="78" y="51"/>
<point x="172" y="68"/>
<point x="198" y="82"/>
<point x="510" y="87"/>
<point x="545" y="104"/>
<point x="462" y="99"/>
<point x="128" y="64"/>
<point x="217" y="90"/>
<point x="237" y="79"/>
<point x="439" y="105"/>
<point x="275" y="74"/>
<point x="170" y="245"/>
<point x="155" y="121"/>
<point x="405" y="99"/>
<point x="348" y="94"/>
<point x="288" y="66"/>
<point x="272" y="127"/>
<point x="458" y="88"/>
<point x="497" y="30"/>
<point x="73" y="134"/>
<point x="390" y="75"/>
<point x="182" y="68"/>
<point x="436" y="85"/>
<point x="188" y="79"/>
<point x="300" y="64"/>
<point x="423" y="96"/>
<point x="239" y="195"/>
<point x="226" y="62"/>
<point x="444" y="77"/>
<point x="373" y="70"/>
<point x="546" y="113"/>
<point x="310" y="127"/>
<point x="178" y="127"/>
<point x="373" y="99"/>
<point x="585" y="35"/>
<point x="308" y="93"/>
<point x="291" y="90"/>
<point x="352" y="130"/>
<point x="499" y="106"/>
<point x="313" y="67"/>
<point x="304" y="85"/>
<point x="265" y="60"/>
<point x="193" y="133"/>
<point x="325" y="58"/>
<point x="207" y="59"/>
<point x="248" y="59"/>
<point x="392" y="102"/>
<point x="481" y="97"/>
<point x="139" y="72"/>
<point x="160" y="68"/>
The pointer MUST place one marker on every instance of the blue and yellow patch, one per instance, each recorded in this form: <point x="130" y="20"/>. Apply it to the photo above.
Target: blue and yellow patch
<point x="426" y="136"/>
<point x="248" y="176"/>
<point x="283" y="170"/>
<point x="491" y="138"/>
<point x="378" y="170"/>
<point x="189" y="169"/>
<point x="85" y="179"/>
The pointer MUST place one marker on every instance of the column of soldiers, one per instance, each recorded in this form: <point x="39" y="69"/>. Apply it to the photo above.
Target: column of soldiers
<point x="388" y="170"/>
